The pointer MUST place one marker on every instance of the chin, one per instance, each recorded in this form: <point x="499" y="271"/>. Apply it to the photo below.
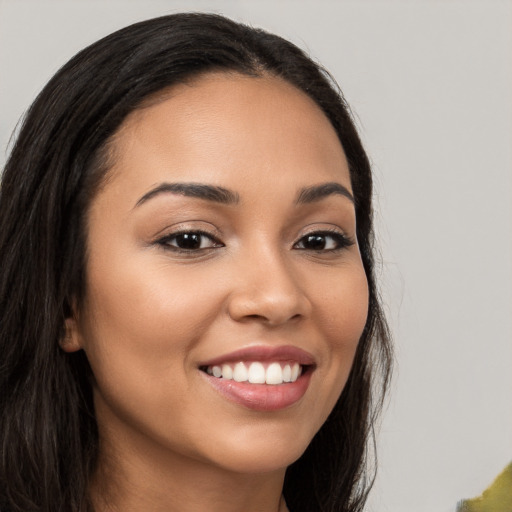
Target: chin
<point x="262" y="462"/>
<point x="262" y="452"/>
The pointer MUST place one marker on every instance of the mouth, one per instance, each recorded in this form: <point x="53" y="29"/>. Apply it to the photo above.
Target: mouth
<point x="258" y="372"/>
<point x="261" y="378"/>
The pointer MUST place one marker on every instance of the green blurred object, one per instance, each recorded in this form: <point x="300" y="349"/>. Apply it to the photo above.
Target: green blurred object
<point x="497" y="498"/>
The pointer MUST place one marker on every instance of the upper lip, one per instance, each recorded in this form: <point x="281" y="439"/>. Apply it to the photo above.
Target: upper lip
<point x="264" y="353"/>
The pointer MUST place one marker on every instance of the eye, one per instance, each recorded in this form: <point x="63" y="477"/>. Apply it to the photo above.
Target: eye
<point x="189" y="241"/>
<point x="323" y="241"/>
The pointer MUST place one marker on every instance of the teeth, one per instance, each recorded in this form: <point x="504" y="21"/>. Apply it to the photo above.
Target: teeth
<point x="240" y="373"/>
<point x="287" y="373"/>
<point x="255" y="372"/>
<point x="295" y="372"/>
<point x="227" y="372"/>
<point x="274" y="374"/>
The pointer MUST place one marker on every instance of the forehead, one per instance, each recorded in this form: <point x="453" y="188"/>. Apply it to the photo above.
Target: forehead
<point x="229" y="127"/>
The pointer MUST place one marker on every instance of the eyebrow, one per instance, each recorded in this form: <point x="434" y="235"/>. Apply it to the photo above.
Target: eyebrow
<point x="198" y="190"/>
<point x="319" y="192"/>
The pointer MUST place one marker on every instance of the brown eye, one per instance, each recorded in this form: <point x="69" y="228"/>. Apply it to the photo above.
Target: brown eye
<point x="323" y="241"/>
<point x="315" y="242"/>
<point x="190" y="241"/>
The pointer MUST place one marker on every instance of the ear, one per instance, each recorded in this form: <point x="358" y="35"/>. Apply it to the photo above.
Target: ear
<point x="72" y="340"/>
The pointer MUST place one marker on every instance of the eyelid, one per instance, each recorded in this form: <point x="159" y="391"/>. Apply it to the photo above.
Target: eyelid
<point x="188" y="226"/>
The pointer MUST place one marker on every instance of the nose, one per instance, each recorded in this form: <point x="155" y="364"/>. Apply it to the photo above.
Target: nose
<point x="267" y="289"/>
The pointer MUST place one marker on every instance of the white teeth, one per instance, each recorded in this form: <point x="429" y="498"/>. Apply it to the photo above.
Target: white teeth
<point x="287" y="373"/>
<point x="256" y="373"/>
<point x="227" y="372"/>
<point x="240" y="373"/>
<point x="274" y="374"/>
<point x="295" y="372"/>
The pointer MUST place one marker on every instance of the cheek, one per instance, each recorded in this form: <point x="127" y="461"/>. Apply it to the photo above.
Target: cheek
<point x="140" y="325"/>
<point x="343" y="316"/>
<point x="344" y="308"/>
<point x="139" y="329"/>
<point x="148" y="303"/>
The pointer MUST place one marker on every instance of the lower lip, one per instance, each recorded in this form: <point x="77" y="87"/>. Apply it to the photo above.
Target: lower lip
<point x="261" y="397"/>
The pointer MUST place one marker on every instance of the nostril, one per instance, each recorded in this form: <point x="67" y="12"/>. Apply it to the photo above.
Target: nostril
<point x="249" y="318"/>
<point x="271" y="319"/>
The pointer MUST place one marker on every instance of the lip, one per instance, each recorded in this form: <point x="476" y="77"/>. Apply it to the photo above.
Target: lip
<point x="264" y="353"/>
<point x="262" y="397"/>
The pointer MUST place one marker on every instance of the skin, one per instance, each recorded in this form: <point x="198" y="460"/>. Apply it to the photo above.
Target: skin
<point x="169" y="441"/>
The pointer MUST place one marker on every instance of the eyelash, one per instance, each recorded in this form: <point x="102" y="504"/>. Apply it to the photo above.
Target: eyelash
<point x="340" y="241"/>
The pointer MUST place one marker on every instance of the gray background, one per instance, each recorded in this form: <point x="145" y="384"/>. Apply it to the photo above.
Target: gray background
<point x="430" y="84"/>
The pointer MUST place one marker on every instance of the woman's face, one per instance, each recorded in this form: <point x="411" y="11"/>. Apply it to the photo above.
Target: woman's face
<point x="222" y="248"/>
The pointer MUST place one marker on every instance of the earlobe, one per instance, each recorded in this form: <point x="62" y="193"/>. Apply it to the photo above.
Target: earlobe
<point x="71" y="341"/>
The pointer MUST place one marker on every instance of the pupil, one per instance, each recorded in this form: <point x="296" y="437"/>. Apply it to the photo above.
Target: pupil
<point x="316" y="242"/>
<point x="188" y="241"/>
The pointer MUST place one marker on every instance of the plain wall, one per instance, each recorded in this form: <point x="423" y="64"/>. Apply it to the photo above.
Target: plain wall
<point x="430" y="85"/>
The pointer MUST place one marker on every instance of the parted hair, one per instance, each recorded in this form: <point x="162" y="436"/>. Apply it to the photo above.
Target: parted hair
<point x="48" y="431"/>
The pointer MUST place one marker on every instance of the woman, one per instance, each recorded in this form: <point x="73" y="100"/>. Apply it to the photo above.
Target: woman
<point x="189" y="312"/>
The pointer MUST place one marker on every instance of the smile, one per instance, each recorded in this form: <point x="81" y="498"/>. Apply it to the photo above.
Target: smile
<point x="273" y="373"/>
<point x="261" y="378"/>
